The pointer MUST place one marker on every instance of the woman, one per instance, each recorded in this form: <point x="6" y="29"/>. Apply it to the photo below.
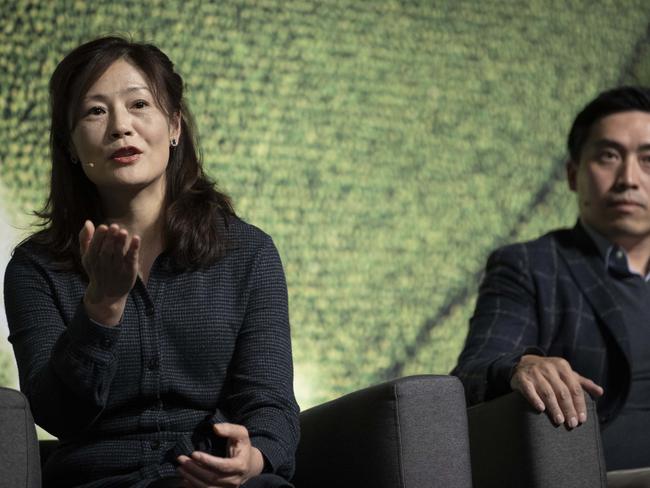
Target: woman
<point x="149" y="323"/>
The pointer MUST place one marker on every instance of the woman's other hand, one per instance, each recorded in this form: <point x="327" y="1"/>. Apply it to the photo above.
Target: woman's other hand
<point x="110" y="258"/>
<point x="203" y="470"/>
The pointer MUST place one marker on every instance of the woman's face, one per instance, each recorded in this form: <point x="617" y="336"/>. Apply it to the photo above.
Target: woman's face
<point x="122" y="137"/>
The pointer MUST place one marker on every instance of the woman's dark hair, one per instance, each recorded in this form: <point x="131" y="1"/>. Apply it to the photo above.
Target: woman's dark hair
<point x="195" y="215"/>
<point x="621" y="99"/>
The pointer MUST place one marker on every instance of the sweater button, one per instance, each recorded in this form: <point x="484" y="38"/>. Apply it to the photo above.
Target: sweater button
<point x="150" y="310"/>
<point x="155" y="445"/>
<point x="153" y="364"/>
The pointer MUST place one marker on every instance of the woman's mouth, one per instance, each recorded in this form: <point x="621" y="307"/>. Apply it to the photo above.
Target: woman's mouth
<point x="126" y="155"/>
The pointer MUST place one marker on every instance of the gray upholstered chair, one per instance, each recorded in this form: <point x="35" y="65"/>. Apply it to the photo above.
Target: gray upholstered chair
<point x="513" y="445"/>
<point x="406" y="433"/>
<point x="19" y="456"/>
<point x="411" y="432"/>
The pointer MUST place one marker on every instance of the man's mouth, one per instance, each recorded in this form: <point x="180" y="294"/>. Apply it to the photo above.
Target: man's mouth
<point x="625" y="202"/>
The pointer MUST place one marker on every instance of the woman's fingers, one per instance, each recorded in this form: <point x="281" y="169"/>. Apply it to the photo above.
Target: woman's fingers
<point x="85" y="236"/>
<point x="234" y="432"/>
<point x="110" y="259"/>
<point x="96" y="243"/>
<point x="133" y="251"/>
<point x="198" y="472"/>
<point x="190" y="478"/>
<point x="231" y="466"/>
<point x="244" y="460"/>
<point x="189" y="472"/>
<point x="108" y="251"/>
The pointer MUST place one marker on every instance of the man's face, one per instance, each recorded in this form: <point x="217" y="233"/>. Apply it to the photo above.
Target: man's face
<point x="612" y="178"/>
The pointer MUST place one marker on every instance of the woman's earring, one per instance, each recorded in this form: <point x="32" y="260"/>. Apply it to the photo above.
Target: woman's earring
<point x="174" y="143"/>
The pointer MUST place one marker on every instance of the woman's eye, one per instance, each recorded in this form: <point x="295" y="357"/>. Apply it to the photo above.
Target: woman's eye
<point x="95" y="111"/>
<point x="140" y="104"/>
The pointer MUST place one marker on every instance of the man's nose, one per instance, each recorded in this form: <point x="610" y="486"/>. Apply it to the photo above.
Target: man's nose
<point x="628" y="173"/>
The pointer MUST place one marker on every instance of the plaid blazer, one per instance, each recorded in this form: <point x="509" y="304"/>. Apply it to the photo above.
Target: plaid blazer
<point x="552" y="297"/>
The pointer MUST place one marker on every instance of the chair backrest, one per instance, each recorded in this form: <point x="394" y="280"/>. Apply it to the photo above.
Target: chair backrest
<point x="19" y="454"/>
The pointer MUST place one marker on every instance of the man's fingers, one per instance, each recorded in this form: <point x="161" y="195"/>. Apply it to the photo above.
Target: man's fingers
<point x="565" y="399"/>
<point x="527" y="389"/>
<point x="572" y="381"/>
<point x="591" y="387"/>
<point x="559" y="387"/>
<point x="579" y="403"/>
<point x="547" y="393"/>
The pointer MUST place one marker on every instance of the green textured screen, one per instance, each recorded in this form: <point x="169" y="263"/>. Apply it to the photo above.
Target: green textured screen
<point x="386" y="146"/>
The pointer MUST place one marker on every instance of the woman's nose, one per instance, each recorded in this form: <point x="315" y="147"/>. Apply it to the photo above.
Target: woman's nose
<point x="120" y="125"/>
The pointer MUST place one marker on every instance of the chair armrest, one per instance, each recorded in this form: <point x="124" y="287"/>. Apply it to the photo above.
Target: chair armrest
<point x="410" y="432"/>
<point x="514" y="445"/>
<point x="19" y="462"/>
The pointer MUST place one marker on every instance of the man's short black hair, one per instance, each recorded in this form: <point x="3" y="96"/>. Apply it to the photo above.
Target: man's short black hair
<point x="621" y="99"/>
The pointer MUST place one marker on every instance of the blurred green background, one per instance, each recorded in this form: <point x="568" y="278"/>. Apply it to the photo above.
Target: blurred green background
<point x="387" y="146"/>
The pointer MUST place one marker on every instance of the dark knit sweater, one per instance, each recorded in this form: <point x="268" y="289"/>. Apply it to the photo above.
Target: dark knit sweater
<point x="193" y="348"/>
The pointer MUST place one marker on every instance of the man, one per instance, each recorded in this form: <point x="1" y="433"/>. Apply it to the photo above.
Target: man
<point x="570" y="311"/>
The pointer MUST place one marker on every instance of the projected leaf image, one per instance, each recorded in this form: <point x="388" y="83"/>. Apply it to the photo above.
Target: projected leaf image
<point x="386" y="146"/>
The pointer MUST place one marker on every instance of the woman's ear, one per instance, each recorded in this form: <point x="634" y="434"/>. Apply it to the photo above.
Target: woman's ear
<point x="175" y="126"/>
<point x="73" y="154"/>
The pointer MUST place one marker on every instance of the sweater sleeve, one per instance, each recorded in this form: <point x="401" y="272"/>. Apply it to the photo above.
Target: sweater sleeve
<point x="65" y="365"/>
<point x="261" y="388"/>
<point x="503" y="328"/>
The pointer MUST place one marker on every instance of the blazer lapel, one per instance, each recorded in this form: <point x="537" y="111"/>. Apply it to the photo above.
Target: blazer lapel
<point x="587" y="268"/>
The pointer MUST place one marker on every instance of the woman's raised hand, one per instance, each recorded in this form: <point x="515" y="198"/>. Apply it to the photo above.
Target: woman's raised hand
<point x="110" y="257"/>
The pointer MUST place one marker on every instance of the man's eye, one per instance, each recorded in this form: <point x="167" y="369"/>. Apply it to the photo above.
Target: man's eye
<point x="608" y="156"/>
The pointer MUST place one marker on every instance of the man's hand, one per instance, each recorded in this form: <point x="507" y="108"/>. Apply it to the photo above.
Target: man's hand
<point x="549" y="383"/>
<point x="204" y="470"/>
<point x="110" y="259"/>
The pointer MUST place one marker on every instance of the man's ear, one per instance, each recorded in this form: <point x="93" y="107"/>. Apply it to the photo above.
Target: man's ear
<point x="572" y="174"/>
